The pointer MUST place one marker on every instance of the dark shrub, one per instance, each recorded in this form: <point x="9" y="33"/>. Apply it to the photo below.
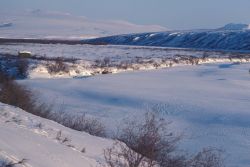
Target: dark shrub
<point x="22" y="65"/>
<point x="150" y="144"/>
<point x="58" y="66"/>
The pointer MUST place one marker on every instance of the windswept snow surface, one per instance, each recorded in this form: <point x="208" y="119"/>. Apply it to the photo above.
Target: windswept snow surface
<point x="51" y="24"/>
<point x="25" y="136"/>
<point x="208" y="103"/>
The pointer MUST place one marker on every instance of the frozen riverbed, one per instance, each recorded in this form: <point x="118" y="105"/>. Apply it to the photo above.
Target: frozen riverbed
<point x="208" y="103"/>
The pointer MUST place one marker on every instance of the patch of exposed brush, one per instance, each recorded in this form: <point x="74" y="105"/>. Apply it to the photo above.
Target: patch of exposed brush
<point x="20" y="96"/>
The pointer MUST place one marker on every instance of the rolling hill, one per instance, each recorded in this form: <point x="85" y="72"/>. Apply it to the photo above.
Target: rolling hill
<point x="229" y="37"/>
<point x="52" y="24"/>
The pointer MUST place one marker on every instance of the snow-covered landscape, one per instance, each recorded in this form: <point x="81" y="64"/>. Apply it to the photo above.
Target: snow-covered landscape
<point x="208" y="103"/>
<point x="207" y="112"/>
<point x="66" y="97"/>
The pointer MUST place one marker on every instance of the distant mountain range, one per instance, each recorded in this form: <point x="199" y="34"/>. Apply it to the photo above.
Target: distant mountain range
<point x="52" y="24"/>
<point x="56" y="25"/>
<point x="229" y="37"/>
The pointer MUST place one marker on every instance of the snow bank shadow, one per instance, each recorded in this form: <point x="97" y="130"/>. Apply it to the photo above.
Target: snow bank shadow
<point x="214" y="71"/>
<point x="111" y="99"/>
<point x="207" y="72"/>
<point x="228" y="65"/>
<point x="200" y="115"/>
<point x="235" y="120"/>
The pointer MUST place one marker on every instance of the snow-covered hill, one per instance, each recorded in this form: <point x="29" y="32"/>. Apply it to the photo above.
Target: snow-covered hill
<point x="39" y="141"/>
<point x="233" y="26"/>
<point x="230" y="37"/>
<point x="45" y="24"/>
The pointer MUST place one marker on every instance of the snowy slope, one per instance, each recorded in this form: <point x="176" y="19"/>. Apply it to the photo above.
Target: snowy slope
<point x="45" y="24"/>
<point x="231" y="37"/>
<point x="25" y="136"/>
<point x="209" y="103"/>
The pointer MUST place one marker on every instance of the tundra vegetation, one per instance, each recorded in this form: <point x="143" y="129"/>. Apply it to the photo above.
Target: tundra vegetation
<point x="146" y="143"/>
<point x="151" y="143"/>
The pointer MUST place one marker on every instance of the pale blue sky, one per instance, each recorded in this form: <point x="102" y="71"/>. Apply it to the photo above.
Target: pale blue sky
<point x="174" y="14"/>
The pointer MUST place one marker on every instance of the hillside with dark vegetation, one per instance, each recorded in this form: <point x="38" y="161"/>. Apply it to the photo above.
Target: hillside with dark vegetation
<point x="220" y="39"/>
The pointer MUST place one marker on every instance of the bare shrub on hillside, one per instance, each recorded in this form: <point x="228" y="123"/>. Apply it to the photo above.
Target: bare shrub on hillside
<point x="204" y="56"/>
<point x="119" y="155"/>
<point x="7" y="163"/>
<point x="16" y="95"/>
<point x="105" y="62"/>
<point x="3" y="77"/>
<point x="83" y="150"/>
<point x="98" y="62"/>
<point x="79" y="122"/>
<point x="125" y="64"/>
<point x="58" y="66"/>
<point x="20" y="96"/>
<point x="14" y="67"/>
<point x="150" y="144"/>
<point x="176" y="61"/>
<point x="208" y="157"/>
<point x="22" y="67"/>
<point x="45" y="58"/>
<point x="193" y="60"/>
<point x="106" y="71"/>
